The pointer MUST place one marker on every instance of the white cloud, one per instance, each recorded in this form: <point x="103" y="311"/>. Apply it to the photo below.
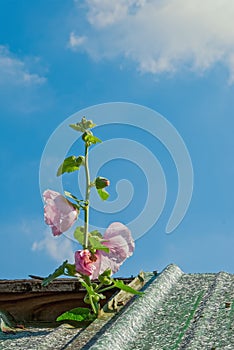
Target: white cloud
<point x="23" y="85"/>
<point x="102" y="13"/>
<point x="14" y="71"/>
<point x="162" y="36"/>
<point x="59" y="248"/>
<point x="75" y="40"/>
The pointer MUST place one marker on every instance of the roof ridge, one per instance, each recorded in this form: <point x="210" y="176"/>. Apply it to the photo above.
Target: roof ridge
<point x="137" y="312"/>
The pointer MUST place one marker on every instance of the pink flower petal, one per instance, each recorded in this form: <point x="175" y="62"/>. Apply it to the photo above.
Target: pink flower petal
<point x="119" y="238"/>
<point x="121" y="245"/>
<point x="84" y="262"/>
<point x="59" y="213"/>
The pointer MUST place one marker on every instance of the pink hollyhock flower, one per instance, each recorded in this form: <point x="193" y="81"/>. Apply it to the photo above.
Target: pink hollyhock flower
<point x="84" y="262"/>
<point x="120" y="242"/>
<point x="59" y="213"/>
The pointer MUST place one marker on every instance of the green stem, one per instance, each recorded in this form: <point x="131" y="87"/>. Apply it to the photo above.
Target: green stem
<point x="93" y="305"/>
<point x="107" y="288"/>
<point x="99" y="286"/>
<point x="87" y="280"/>
<point x="86" y="208"/>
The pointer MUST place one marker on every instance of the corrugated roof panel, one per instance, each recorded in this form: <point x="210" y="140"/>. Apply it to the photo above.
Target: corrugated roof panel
<point x="177" y="311"/>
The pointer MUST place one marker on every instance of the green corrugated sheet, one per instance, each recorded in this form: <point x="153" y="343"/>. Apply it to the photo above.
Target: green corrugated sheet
<point x="177" y="311"/>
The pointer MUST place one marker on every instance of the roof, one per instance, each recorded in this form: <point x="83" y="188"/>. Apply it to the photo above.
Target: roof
<point x="32" y="304"/>
<point x="177" y="311"/>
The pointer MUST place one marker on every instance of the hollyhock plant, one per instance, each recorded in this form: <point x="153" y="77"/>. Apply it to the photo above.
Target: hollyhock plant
<point x="101" y="255"/>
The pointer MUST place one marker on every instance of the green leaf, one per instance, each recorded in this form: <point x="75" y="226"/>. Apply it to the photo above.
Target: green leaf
<point x="95" y="243"/>
<point x="58" y="272"/>
<point x="121" y="285"/>
<point x="71" y="270"/>
<point x="70" y="164"/>
<point x="104" y="195"/>
<point x="79" y="234"/>
<point x="78" y="314"/>
<point x="96" y="233"/>
<point x="83" y="126"/>
<point x="91" y="139"/>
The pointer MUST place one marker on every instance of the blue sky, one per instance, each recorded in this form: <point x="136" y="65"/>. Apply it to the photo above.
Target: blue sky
<point x="175" y="57"/>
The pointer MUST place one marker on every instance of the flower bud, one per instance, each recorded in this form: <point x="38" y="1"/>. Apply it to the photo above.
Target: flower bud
<point x="96" y="298"/>
<point x="105" y="280"/>
<point x="101" y="182"/>
<point x="87" y="299"/>
<point x="85" y="134"/>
